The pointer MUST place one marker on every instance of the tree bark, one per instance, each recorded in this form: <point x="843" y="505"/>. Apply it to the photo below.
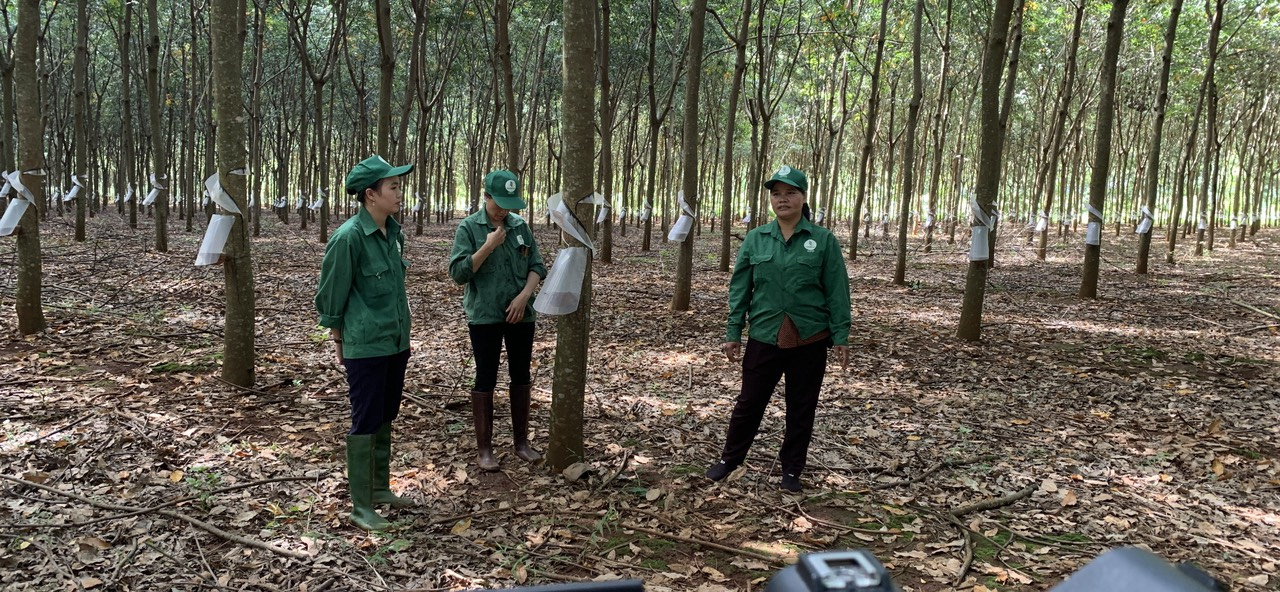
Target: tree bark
<point x="731" y="126"/>
<point x="28" y="300"/>
<point x="159" y="153"/>
<point x="1102" y="149"/>
<point x="1152" y="180"/>
<point x="909" y="148"/>
<point x="573" y="334"/>
<point x="868" y="139"/>
<point x="689" y="143"/>
<point x="991" y="153"/>
<point x="80" y="109"/>
<point x="226" y="27"/>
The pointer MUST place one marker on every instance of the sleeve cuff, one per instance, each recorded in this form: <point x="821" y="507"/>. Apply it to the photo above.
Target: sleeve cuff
<point x="733" y="334"/>
<point x="330" y="322"/>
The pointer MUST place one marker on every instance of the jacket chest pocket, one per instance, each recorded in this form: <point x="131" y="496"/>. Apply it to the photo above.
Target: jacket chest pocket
<point x="377" y="277"/>
<point x="764" y="268"/>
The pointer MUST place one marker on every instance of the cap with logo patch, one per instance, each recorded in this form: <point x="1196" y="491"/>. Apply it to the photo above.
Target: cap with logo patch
<point x="504" y="187"/>
<point x="370" y="171"/>
<point x="790" y="176"/>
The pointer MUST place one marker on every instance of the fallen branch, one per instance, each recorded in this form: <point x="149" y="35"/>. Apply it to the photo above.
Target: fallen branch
<point x="248" y="542"/>
<point x="1256" y="309"/>
<point x="992" y="504"/>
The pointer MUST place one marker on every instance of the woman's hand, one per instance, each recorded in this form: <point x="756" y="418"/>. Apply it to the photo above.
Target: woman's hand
<point x="842" y="354"/>
<point x="731" y="350"/>
<point x="337" y="351"/>
<point x="515" y="310"/>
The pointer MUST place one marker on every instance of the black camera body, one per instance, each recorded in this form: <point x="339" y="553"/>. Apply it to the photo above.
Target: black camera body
<point x="834" y="571"/>
<point x="1127" y="569"/>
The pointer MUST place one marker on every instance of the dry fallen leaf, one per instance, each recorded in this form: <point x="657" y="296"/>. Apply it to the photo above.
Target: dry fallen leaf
<point x="1069" y="498"/>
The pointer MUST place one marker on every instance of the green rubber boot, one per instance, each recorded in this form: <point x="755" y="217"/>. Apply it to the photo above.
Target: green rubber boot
<point x="382" y="493"/>
<point x="360" y="480"/>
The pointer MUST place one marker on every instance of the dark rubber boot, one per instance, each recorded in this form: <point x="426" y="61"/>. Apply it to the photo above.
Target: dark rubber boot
<point x="520" y="422"/>
<point x="382" y="493"/>
<point x="360" y="481"/>
<point x="482" y="414"/>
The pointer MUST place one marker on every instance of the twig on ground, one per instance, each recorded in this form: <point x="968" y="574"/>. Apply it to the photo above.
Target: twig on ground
<point x="991" y="504"/>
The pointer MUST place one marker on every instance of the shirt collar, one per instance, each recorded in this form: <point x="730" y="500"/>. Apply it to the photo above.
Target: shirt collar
<point x="368" y="226"/>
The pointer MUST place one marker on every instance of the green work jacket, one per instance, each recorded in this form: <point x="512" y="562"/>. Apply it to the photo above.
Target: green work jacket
<point x="361" y="289"/>
<point x="803" y="278"/>
<point x="502" y="275"/>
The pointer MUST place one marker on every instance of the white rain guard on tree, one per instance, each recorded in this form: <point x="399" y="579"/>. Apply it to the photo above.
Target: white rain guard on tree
<point x="13" y="215"/>
<point x="680" y="230"/>
<point x="215" y="239"/>
<point x="562" y="292"/>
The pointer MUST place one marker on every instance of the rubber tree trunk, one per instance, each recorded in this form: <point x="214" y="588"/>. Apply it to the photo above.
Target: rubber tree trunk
<point x="990" y="155"/>
<point x="28" y="300"/>
<point x="1102" y="149"/>
<point x="159" y="151"/>
<point x="80" y="110"/>
<point x="689" y="168"/>
<point x="1152" y="180"/>
<point x="731" y="126"/>
<point x="909" y="147"/>
<point x="868" y="139"/>
<point x="565" y="445"/>
<point x="607" y="116"/>
<point x="226" y="25"/>
<point x="386" y="69"/>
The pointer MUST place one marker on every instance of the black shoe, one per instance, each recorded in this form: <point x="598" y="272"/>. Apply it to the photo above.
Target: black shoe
<point x="791" y="483"/>
<point x="720" y="470"/>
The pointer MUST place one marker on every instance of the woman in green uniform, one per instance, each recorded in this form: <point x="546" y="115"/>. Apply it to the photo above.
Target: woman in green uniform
<point x="361" y="299"/>
<point x="791" y="288"/>
<point x="495" y="256"/>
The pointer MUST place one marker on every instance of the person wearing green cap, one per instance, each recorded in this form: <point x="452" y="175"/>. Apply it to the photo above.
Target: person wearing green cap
<point x="791" y="287"/>
<point x="362" y="301"/>
<point x="496" y="257"/>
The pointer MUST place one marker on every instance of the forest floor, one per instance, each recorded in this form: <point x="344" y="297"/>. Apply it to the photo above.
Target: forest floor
<point x="1149" y="416"/>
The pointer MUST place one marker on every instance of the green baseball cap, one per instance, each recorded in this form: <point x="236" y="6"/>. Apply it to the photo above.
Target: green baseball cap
<point x="790" y="176"/>
<point x="370" y="171"/>
<point x="504" y="187"/>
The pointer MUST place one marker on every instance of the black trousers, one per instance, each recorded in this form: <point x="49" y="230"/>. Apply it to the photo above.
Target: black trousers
<point x="763" y="365"/>
<point x="376" y="388"/>
<point x="486" y="346"/>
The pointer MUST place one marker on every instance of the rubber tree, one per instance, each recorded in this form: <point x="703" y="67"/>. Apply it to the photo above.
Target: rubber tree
<point x="1152" y="181"/>
<point x="1102" y="149"/>
<point x="28" y="300"/>
<point x="990" y="156"/>
<point x="573" y="334"/>
<point x="226" y="28"/>
<point x="690" y="144"/>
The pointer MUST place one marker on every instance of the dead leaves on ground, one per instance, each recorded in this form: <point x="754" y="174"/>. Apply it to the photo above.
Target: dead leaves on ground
<point x="1146" y="417"/>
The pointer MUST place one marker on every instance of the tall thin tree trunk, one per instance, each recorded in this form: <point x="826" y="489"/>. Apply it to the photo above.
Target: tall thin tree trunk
<point x="80" y="108"/>
<point x="28" y="301"/>
<point x="159" y="153"/>
<point x="1152" y="180"/>
<point x="689" y="143"/>
<point x="731" y="113"/>
<point x="1102" y="150"/>
<point x="226" y="26"/>
<point x="873" y="106"/>
<point x="991" y="153"/>
<point x="909" y="148"/>
<point x="1053" y="147"/>
<point x="566" y="445"/>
